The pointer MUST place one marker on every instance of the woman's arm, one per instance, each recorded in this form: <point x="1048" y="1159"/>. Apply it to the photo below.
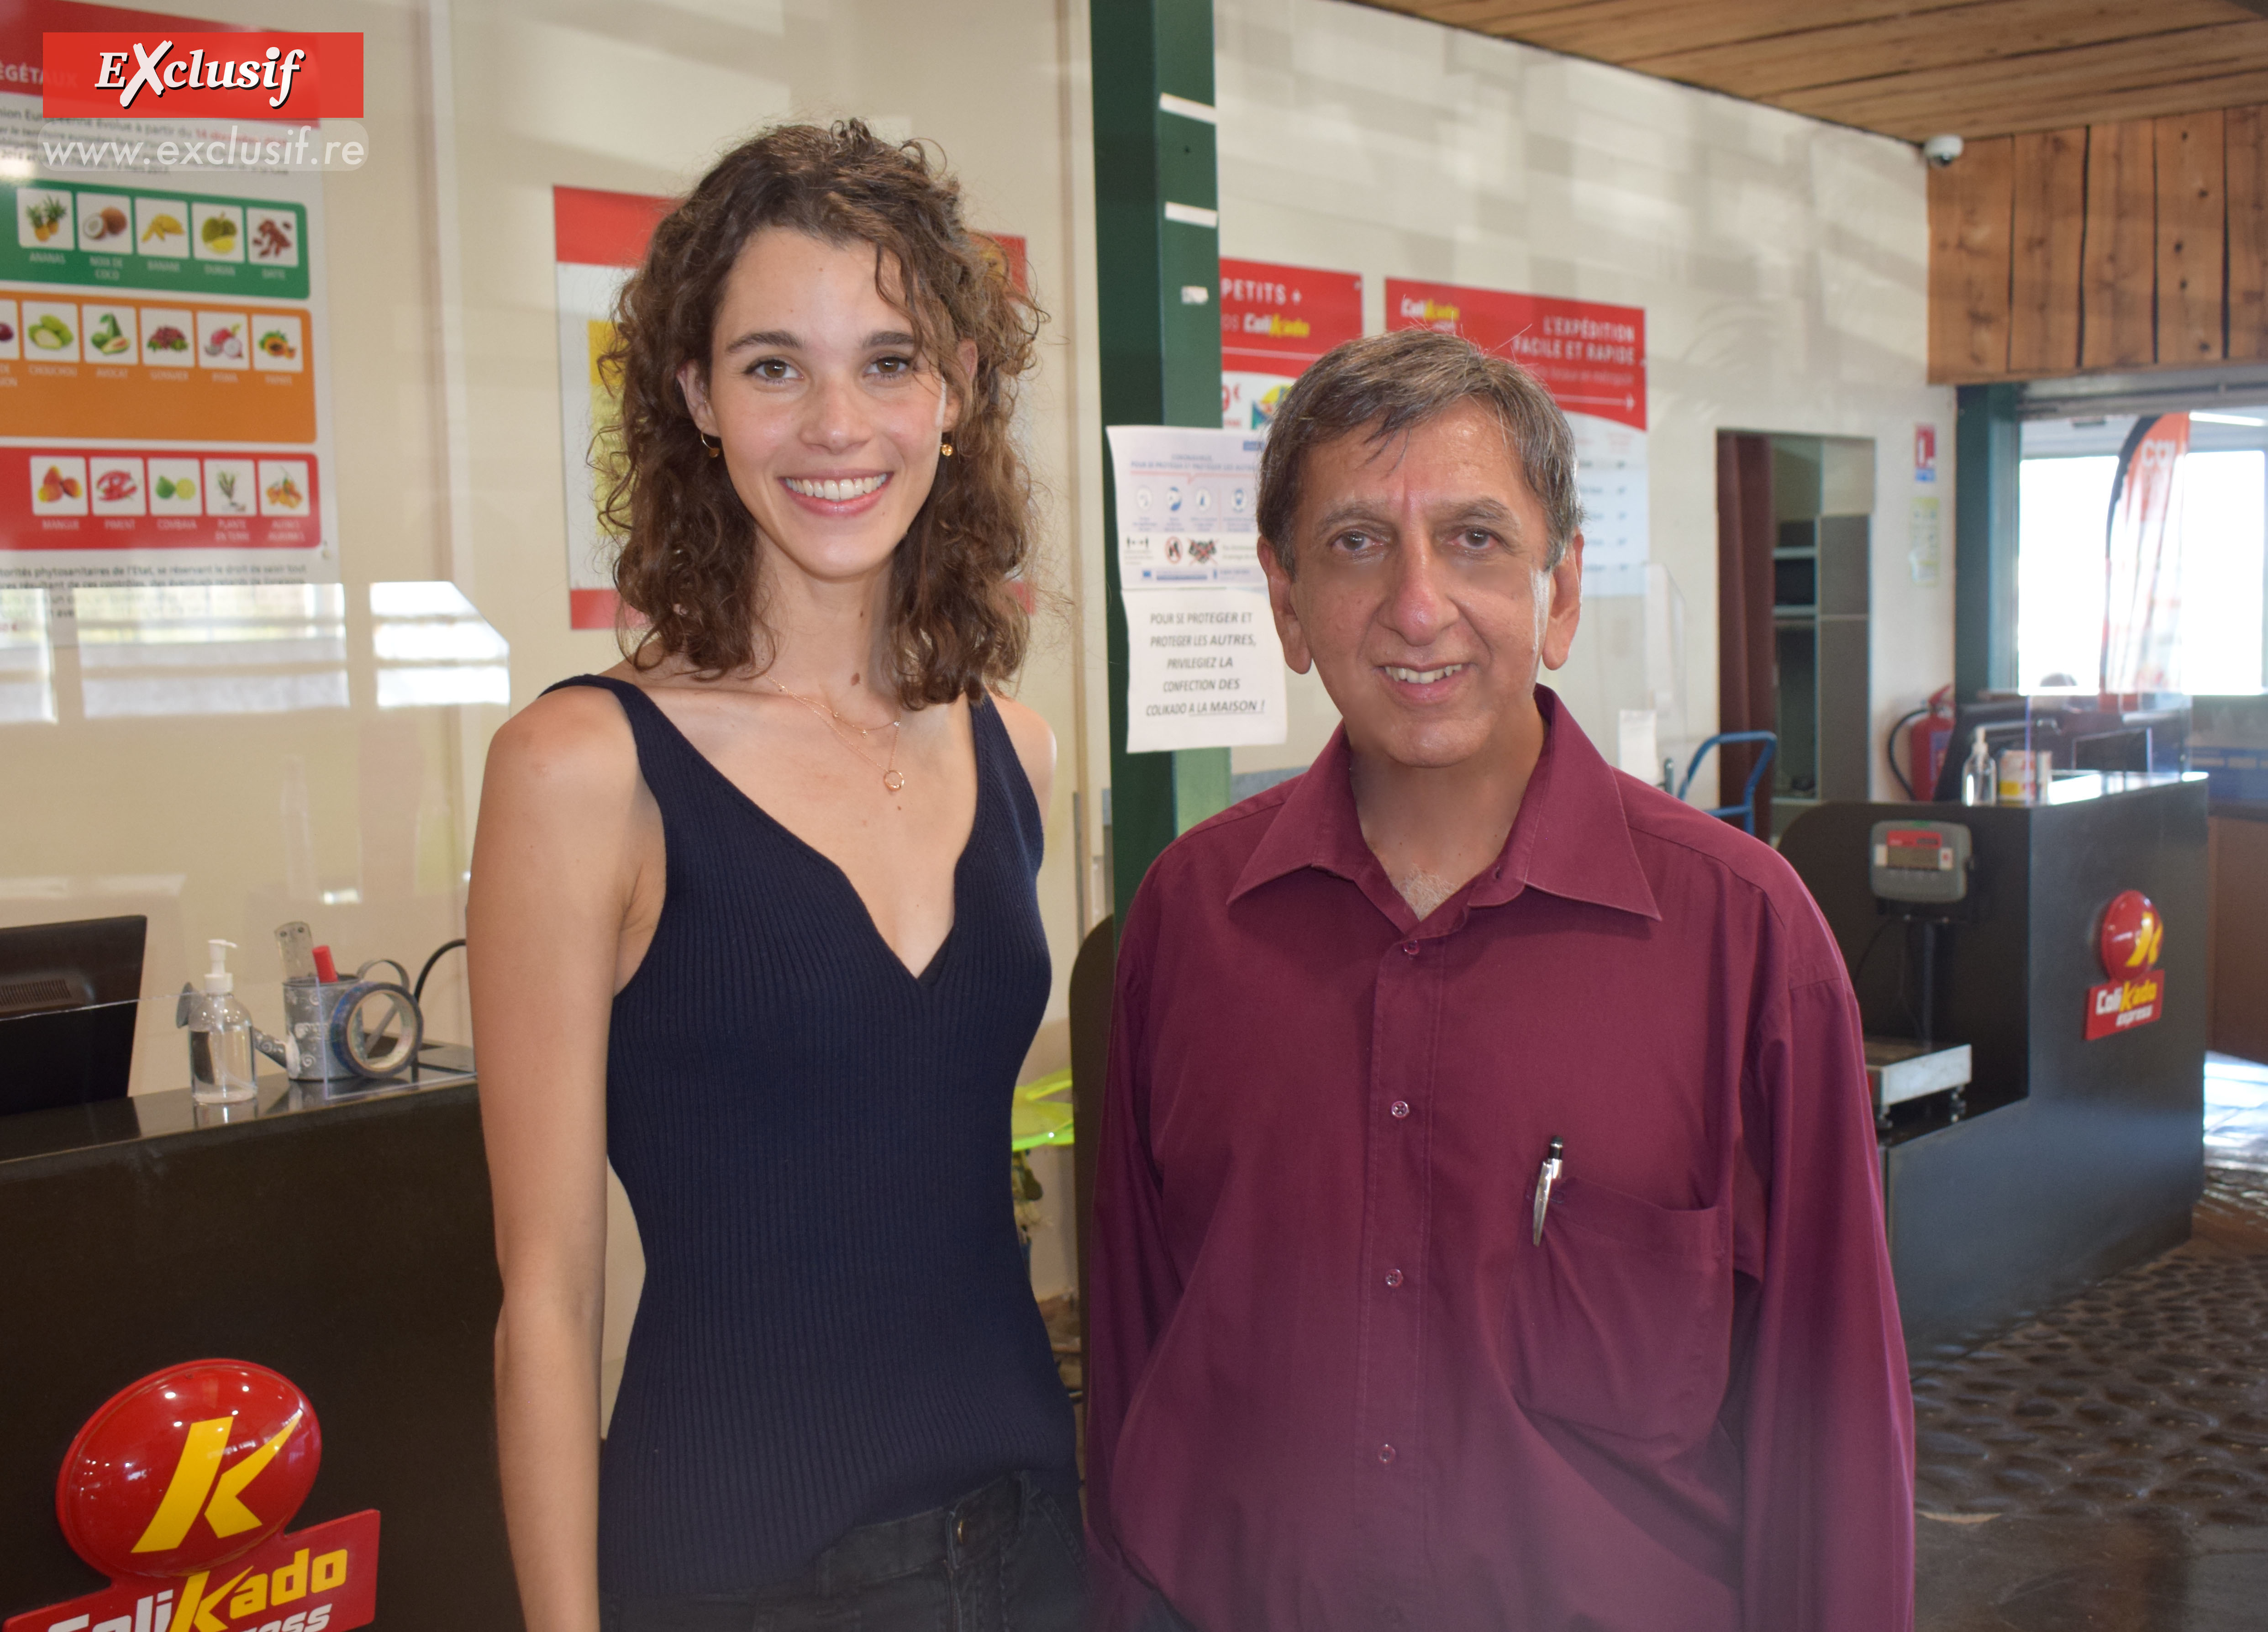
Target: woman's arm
<point x="554" y="878"/>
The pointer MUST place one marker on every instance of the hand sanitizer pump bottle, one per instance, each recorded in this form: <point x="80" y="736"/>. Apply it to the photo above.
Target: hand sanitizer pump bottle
<point x="1980" y="781"/>
<point x="220" y="1037"/>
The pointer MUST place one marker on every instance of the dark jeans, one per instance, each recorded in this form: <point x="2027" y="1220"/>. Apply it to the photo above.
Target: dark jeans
<point x="1160" y="1616"/>
<point x="1007" y="1558"/>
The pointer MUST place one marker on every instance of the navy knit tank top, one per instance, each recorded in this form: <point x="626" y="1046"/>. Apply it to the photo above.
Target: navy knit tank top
<point x="836" y="1326"/>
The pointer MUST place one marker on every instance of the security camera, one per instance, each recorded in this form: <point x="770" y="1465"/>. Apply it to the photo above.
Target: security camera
<point x="1942" y="151"/>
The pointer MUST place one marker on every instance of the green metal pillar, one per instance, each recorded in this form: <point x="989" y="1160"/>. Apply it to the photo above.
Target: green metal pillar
<point x="1158" y="273"/>
<point x="1988" y="454"/>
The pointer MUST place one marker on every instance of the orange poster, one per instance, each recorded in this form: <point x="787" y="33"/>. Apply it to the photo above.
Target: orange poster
<point x="164" y="366"/>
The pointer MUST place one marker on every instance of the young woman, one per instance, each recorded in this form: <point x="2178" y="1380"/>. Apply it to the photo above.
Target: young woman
<point x="753" y="918"/>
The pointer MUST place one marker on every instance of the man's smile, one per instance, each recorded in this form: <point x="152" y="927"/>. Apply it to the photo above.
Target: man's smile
<point x="1423" y="677"/>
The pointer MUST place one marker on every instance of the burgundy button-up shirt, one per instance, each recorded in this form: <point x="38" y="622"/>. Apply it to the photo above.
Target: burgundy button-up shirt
<point x="1334" y="1381"/>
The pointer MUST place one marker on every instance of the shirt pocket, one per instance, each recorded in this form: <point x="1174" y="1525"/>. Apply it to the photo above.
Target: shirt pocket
<point x="1620" y="1320"/>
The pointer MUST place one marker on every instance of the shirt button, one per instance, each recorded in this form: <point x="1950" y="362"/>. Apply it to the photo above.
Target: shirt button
<point x="1399" y="1108"/>
<point x="1394" y="1277"/>
<point x="1386" y="1453"/>
<point x="1409" y="948"/>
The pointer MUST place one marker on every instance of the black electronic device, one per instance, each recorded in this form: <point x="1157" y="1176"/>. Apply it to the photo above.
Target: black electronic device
<point x="1918" y="860"/>
<point x="1918" y="870"/>
<point x="69" y="994"/>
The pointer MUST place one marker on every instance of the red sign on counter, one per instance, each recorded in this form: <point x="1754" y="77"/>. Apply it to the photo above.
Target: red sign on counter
<point x="1590" y="357"/>
<point x="2131" y="937"/>
<point x="323" y="1578"/>
<point x="179" y="1489"/>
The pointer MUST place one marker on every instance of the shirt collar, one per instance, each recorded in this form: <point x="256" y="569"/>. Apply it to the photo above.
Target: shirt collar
<point x="1570" y="838"/>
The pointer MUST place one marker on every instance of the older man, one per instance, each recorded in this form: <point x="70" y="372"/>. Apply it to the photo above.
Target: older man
<point x="1488" y="1231"/>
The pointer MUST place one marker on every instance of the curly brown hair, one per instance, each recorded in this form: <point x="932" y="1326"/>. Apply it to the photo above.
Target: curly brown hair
<point x="689" y="563"/>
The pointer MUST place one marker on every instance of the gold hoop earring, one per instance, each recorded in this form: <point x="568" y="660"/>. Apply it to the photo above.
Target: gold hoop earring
<point x="945" y="447"/>
<point x="715" y="448"/>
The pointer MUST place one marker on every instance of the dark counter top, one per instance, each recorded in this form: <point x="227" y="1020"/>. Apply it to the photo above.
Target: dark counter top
<point x="41" y="1137"/>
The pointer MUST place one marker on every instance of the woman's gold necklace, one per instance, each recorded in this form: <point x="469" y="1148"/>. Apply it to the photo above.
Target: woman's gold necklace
<point x="893" y="778"/>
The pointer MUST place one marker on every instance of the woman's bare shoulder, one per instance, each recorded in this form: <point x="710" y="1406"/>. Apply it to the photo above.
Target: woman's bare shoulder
<point x="1034" y="742"/>
<point x="576" y="738"/>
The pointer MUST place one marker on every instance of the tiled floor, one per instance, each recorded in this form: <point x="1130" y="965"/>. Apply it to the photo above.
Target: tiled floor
<point x="2107" y="1466"/>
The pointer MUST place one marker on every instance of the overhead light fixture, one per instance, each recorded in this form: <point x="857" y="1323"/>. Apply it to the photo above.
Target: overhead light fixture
<point x="2227" y="419"/>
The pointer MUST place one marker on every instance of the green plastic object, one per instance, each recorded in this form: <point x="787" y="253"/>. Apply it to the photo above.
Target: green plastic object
<point x="1041" y="1112"/>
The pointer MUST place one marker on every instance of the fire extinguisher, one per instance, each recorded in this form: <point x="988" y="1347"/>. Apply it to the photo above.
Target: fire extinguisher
<point x="1925" y="744"/>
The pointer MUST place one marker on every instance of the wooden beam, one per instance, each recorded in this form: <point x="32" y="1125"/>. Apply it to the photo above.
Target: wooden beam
<point x="2049" y="221"/>
<point x="1969" y="215"/>
<point x="2012" y="110"/>
<point x="1910" y="43"/>
<point x="1617" y="31"/>
<point x="2072" y="80"/>
<point x="2118" y="261"/>
<point x="2246" y="137"/>
<point x="2192" y="232"/>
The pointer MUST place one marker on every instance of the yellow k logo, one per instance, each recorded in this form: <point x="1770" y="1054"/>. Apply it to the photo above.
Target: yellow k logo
<point x="198" y="1474"/>
<point x="2148" y="936"/>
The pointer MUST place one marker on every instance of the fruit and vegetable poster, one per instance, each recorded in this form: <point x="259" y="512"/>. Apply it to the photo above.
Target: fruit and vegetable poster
<point x="1592" y="359"/>
<point x="1274" y="322"/>
<point x="164" y="351"/>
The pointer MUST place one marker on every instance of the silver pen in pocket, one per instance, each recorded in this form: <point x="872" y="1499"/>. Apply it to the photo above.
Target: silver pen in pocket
<point x="1546" y="1176"/>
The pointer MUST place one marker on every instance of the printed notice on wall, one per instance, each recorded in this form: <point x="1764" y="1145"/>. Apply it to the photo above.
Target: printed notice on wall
<point x="1592" y="359"/>
<point x="1204" y="668"/>
<point x="165" y="359"/>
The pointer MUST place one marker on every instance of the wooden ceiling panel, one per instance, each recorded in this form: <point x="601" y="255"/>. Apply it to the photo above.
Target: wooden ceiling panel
<point x="1614" y="30"/>
<point x="1904" y="47"/>
<point x="1913" y="67"/>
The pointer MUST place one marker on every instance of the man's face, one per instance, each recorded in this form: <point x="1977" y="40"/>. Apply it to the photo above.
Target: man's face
<point x="1422" y="597"/>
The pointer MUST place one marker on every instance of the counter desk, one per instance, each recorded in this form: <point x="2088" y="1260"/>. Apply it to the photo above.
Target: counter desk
<point x="345" y="1242"/>
<point x="2073" y="1156"/>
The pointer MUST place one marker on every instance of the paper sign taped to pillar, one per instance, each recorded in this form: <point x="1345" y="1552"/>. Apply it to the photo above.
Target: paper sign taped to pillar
<point x="1204" y="667"/>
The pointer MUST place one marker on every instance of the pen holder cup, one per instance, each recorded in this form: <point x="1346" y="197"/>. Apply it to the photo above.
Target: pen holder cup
<point x="350" y="1030"/>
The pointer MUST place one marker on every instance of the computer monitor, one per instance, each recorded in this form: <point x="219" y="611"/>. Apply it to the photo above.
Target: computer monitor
<point x="68" y="996"/>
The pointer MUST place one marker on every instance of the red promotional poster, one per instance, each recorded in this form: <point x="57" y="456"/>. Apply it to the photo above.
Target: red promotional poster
<point x="598" y="239"/>
<point x="2131" y="938"/>
<point x="1274" y="322"/>
<point x="1591" y="357"/>
<point x="182" y="1486"/>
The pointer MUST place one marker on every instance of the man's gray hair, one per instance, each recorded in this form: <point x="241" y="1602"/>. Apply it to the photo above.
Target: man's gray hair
<point x="1390" y="384"/>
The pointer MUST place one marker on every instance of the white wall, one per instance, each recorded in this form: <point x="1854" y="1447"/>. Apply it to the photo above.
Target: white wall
<point x="1782" y="264"/>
